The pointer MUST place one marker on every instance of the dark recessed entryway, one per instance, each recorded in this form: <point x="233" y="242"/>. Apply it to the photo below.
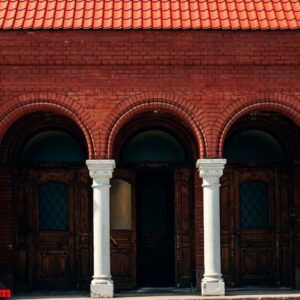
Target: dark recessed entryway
<point x="152" y="184"/>
<point x="155" y="227"/>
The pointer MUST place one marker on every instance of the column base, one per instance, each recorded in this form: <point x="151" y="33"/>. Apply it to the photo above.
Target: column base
<point x="212" y="288"/>
<point x="102" y="288"/>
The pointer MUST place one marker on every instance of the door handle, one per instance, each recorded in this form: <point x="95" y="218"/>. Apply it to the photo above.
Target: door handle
<point x="116" y="244"/>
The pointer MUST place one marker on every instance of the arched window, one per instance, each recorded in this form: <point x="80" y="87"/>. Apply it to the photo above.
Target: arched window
<point x="253" y="146"/>
<point x="52" y="146"/>
<point x="153" y="146"/>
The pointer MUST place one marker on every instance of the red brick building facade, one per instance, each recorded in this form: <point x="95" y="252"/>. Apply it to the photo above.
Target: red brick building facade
<point x="111" y="84"/>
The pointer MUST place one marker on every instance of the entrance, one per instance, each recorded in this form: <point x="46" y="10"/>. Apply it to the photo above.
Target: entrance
<point x="49" y="223"/>
<point x="155" y="227"/>
<point x="52" y="197"/>
<point x="155" y="248"/>
<point x="255" y="210"/>
<point x="254" y="252"/>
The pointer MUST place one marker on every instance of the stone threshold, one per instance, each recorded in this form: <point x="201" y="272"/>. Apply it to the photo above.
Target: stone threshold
<point x="174" y="294"/>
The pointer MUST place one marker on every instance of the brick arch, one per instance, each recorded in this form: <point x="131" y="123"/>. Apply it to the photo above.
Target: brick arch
<point x="147" y="102"/>
<point x="287" y="108"/>
<point x="24" y="104"/>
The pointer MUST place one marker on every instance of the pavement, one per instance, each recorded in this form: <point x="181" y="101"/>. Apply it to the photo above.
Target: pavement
<point x="188" y="294"/>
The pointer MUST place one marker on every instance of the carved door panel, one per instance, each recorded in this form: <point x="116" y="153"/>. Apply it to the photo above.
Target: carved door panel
<point x="184" y="254"/>
<point x="23" y="272"/>
<point x="52" y="229"/>
<point x="227" y="224"/>
<point x="256" y="234"/>
<point x="83" y="215"/>
<point x="123" y="229"/>
<point x="253" y="231"/>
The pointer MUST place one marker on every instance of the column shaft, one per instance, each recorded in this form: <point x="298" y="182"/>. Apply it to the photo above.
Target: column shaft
<point x="101" y="233"/>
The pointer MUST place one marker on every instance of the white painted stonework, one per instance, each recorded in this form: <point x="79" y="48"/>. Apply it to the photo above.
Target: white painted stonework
<point x="210" y="171"/>
<point x="101" y="173"/>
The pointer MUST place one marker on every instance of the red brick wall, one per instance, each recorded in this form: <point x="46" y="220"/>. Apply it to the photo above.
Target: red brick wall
<point x="102" y="79"/>
<point x="209" y="72"/>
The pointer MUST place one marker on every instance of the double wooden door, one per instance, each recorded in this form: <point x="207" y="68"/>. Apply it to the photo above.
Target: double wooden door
<point x="152" y="233"/>
<point x="256" y="233"/>
<point x="53" y="234"/>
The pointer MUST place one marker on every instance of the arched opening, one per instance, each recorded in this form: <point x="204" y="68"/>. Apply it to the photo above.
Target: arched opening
<point x="253" y="145"/>
<point x="155" y="156"/>
<point x="43" y="155"/>
<point x="258" y="201"/>
<point x="52" y="147"/>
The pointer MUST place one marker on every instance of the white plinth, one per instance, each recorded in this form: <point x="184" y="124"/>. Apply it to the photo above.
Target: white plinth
<point x="102" y="289"/>
<point x="212" y="288"/>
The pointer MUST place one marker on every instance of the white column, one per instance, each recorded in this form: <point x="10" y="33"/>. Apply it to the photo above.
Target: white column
<point x="210" y="171"/>
<point x="101" y="173"/>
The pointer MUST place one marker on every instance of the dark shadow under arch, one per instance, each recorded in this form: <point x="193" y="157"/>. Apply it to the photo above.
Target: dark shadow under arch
<point x="149" y="127"/>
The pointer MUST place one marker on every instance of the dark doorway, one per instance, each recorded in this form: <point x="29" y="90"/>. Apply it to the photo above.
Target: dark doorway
<point x="155" y="227"/>
<point x="153" y="188"/>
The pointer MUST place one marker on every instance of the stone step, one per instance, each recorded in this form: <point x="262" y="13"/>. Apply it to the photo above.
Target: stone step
<point x="253" y="295"/>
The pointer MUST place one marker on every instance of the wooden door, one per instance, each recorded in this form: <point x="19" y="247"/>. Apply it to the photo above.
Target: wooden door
<point x="123" y="229"/>
<point x="255" y="230"/>
<point x="184" y="228"/>
<point x="53" y="235"/>
<point x="52" y="229"/>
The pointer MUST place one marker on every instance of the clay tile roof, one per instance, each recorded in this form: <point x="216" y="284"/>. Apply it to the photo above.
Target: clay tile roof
<point x="150" y="14"/>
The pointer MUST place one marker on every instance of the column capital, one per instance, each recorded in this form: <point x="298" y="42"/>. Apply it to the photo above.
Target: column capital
<point x="211" y="168"/>
<point x="101" y="170"/>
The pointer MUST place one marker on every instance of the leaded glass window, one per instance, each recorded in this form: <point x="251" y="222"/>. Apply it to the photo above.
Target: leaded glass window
<point x="53" y="206"/>
<point x="254" y="205"/>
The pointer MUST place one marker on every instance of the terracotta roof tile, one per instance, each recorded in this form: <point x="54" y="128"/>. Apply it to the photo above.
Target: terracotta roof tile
<point x="150" y="14"/>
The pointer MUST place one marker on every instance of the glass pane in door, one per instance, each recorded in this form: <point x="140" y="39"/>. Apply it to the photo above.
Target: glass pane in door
<point x="53" y="206"/>
<point x="254" y="205"/>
